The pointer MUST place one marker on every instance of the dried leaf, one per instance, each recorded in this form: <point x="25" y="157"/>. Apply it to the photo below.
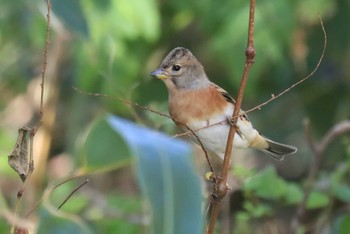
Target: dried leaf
<point x="18" y="159"/>
<point x="21" y="230"/>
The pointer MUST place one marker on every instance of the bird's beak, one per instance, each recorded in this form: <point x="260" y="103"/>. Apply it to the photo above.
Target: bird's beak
<point x="160" y="73"/>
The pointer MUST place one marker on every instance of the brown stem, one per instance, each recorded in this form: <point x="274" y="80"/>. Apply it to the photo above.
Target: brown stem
<point x="220" y="190"/>
<point x="34" y="130"/>
<point x="43" y="70"/>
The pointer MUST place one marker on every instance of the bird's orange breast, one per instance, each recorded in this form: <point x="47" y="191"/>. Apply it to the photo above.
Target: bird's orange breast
<point x="201" y="104"/>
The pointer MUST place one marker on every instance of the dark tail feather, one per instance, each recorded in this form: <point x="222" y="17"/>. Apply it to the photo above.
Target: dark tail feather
<point x="278" y="150"/>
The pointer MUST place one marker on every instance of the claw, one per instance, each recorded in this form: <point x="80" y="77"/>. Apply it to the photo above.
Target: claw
<point x="238" y="131"/>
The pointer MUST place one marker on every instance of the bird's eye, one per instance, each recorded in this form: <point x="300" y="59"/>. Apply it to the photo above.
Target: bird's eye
<point x="176" y="67"/>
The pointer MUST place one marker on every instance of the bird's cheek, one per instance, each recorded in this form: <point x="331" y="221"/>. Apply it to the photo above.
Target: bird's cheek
<point x="174" y="81"/>
<point x="169" y="84"/>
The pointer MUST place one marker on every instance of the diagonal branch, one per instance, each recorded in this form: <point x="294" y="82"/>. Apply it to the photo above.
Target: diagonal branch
<point x="273" y="97"/>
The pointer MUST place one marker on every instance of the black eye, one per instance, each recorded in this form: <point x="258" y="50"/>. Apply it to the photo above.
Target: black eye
<point x="176" y="67"/>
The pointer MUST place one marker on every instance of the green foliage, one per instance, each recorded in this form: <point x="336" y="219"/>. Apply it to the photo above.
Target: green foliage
<point x="317" y="200"/>
<point x="163" y="167"/>
<point x="340" y="188"/>
<point x="110" y="46"/>
<point x="266" y="184"/>
<point x="71" y="14"/>
<point x="343" y="225"/>
<point x="165" y="173"/>
<point x="105" y="149"/>
<point x="255" y="210"/>
<point x="167" y="178"/>
<point x="53" y="223"/>
<point x="293" y="195"/>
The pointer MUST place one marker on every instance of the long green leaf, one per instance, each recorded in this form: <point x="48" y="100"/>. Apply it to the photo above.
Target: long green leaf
<point x="166" y="176"/>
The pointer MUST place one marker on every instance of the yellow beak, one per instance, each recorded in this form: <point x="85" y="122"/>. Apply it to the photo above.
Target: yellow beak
<point x="160" y="73"/>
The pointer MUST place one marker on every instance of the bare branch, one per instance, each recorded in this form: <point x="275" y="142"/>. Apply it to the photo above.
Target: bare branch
<point x="71" y="194"/>
<point x="318" y="150"/>
<point x="336" y="131"/>
<point x="273" y="97"/>
<point x="124" y="101"/>
<point x="41" y="112"/>
<point x="220" y="189"/>
<point x="43" y="71"/>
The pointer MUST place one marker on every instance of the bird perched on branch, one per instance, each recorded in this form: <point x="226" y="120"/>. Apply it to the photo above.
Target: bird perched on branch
<point x="197" y="103"/>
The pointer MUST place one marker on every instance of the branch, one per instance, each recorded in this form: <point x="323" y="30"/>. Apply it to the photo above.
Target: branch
<point x="318" y="150"/>
<point x="33" y="131"/>
<point x="273" y="97"/>
<point x="71" y="194"/>
<point x="336" y="131"/>
<point x="220" y="188"/>
<point x="43" y="71"/>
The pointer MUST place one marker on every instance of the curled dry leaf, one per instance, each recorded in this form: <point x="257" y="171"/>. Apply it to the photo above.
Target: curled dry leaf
<point x="21" y="230"/>
<point x="19" y="158"/>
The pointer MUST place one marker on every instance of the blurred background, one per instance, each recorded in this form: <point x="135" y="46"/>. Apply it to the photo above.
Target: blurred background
<point x="109" y="47"/>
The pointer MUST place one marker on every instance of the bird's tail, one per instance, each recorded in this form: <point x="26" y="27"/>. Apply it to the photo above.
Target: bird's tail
<point x="278" y="150"/>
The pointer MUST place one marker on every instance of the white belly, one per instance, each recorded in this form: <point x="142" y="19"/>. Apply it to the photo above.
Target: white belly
<point x="213" y="134"/>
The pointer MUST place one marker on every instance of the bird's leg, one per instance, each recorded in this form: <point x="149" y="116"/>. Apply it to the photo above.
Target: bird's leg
<point x="229" y="120"/>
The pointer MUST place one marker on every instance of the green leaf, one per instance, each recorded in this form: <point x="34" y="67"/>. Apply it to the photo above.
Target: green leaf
<point x="105" y="149"/>
<point x="317" y="200"/>
<point x="243" y="216"/>
<point x="266" y="184"/>
<point x="242" y="171"/>
<point x="338" y="183"/>
<point x="53" y="221"/>
<point x="341" y="224"/>
<point x="71" y="13"/>
<point x="294" y="194"/>
<point x="166" y="176"/>
<point x="344" y="225"/>
<point x="342" y="192"/>
<point x="257" y="210"/>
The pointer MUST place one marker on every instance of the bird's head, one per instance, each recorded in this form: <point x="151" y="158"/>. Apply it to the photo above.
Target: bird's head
<point x="180" y="69"/>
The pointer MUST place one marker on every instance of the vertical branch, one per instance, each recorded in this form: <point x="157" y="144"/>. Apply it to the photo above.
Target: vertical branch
<point x="15" y="228"/>
<point x="220" y="187"/>
<point x="250" y="54"/>
<point x="43" y="71"/>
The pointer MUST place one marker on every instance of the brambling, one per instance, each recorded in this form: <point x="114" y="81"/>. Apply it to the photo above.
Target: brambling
<point x="205" y="108"/>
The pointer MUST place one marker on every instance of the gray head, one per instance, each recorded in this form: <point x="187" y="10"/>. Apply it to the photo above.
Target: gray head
<point x="180" y="69"/>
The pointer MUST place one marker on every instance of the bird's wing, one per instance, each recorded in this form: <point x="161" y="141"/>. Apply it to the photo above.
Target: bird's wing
<point x="224" y="93"/>
<point x="229" y="99"/>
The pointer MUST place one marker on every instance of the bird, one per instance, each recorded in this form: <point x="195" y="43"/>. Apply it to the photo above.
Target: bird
<point x="206" y="109"/>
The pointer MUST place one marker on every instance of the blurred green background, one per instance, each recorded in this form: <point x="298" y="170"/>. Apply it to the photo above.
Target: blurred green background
<point x="110" y="46"/>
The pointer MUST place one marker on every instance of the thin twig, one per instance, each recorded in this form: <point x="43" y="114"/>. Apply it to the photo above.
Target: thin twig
<point x="50" y="190"/>
<point x="130" y="103"/>
<point x="124" y="101"/>
<point x="273" y="97"/>
<point x="41" y="112"/>
<point x="220" y="189"/>
<point x="71" y="194"/>
<point x="43" y="71"/>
